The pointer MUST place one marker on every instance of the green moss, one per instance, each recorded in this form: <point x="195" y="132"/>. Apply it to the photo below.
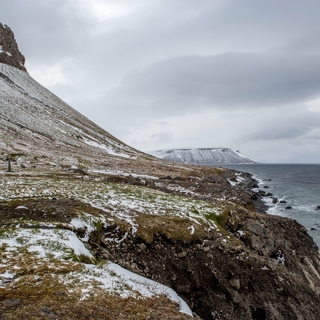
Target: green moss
<point x="171" y="227"/>
<point x="6" y="232"/>
<point x="21" y="240"/>
<point x="83" y="258"/>
<point x="194" y="210"/>
<point x="220" y="219"/>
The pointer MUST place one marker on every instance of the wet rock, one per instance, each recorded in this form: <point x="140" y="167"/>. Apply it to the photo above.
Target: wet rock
<point x="288" y="207"/>
<point x="317" y="207"/>
<point x="262" y="193"/>
<point x="254" y="196"/>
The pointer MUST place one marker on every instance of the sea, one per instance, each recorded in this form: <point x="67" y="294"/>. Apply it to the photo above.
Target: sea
<point x="297" y="184"/>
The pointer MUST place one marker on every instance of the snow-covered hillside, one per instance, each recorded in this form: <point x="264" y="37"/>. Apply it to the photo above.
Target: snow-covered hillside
<point x="34" y="122"/>
<point x="202" y="155"/>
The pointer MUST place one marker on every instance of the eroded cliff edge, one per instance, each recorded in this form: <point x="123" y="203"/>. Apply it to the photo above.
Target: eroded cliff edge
<point x="254" y="266"/>
<point x="197" y="233"/>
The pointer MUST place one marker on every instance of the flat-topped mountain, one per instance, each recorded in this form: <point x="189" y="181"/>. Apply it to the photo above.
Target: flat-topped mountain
<point x="202" y="155"/>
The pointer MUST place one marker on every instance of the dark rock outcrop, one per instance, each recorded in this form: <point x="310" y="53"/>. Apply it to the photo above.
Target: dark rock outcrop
<point x="259" y="267"/>
<point x="9" y="51"/>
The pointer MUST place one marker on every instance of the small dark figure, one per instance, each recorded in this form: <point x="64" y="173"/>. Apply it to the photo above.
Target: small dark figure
<point x="9" y="165"/>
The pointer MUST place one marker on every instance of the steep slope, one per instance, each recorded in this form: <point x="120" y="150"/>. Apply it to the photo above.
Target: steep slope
<point x="202" y="155"/>
<point x="35" y="121"/>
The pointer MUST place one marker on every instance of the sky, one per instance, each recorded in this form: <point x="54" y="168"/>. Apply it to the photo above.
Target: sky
<point x="240" y="74"/>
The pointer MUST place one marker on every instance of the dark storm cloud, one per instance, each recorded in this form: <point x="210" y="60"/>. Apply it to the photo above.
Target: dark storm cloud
<point x="234" y="80"/>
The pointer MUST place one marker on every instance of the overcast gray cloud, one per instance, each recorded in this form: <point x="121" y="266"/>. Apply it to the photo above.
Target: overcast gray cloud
<point x="223" y="81"/>
<point x="243" y="74"/>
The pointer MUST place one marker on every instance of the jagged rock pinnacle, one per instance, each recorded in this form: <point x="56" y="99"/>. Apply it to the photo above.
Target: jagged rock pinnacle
<point x="9" y="51"/>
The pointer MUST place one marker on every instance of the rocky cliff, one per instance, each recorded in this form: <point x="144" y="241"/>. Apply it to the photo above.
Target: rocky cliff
<point x="92" y="229"/>
<point x="9" y="51"/>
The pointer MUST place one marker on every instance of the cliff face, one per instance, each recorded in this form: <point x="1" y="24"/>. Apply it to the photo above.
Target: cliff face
<point x="258" y="267"/>
<point x="9" y="51"/>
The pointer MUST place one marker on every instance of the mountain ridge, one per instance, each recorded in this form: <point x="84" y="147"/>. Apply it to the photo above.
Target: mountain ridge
<point x="34" y="122"/>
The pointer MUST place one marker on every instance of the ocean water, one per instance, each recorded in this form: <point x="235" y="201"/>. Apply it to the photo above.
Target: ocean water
<point x="297" y="184"/>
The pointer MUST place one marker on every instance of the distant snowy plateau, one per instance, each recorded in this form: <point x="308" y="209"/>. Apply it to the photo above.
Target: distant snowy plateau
<point x="202" y="155"/>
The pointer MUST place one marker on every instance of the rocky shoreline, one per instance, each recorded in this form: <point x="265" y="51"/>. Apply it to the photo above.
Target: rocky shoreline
<point x="257" y="197"/>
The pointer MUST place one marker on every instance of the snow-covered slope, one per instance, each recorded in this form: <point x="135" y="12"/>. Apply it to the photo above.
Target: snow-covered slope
<point x="202" y="155"/>
<point x="34" y="122"/>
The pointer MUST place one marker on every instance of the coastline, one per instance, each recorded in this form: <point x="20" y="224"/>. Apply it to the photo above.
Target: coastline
<point x="248" y="184"/>
<point x="257" y="196"/>
<point x="287" y="190"/>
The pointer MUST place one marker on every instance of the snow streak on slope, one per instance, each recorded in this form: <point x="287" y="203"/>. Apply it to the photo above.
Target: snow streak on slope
<point x="202" y="155"/>
<point x="32" y="119"/>
<point x="52" y="247"/>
